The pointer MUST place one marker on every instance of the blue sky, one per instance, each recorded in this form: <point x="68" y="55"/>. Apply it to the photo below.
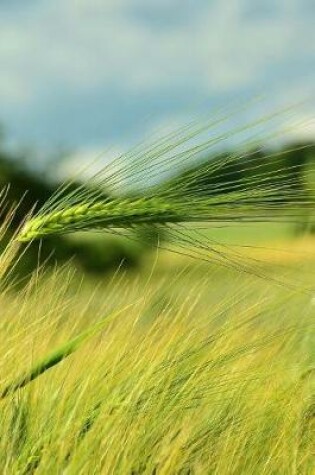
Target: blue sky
<point x="92" y="74"/>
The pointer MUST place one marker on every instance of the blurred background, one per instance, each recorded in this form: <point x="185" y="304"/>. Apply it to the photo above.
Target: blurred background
<point x="80" y="78"/>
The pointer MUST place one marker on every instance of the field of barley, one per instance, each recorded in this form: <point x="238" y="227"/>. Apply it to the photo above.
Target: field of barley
<point x="180" y="366"/>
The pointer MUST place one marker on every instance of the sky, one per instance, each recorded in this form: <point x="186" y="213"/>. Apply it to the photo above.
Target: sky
<point x="87" y="75"/>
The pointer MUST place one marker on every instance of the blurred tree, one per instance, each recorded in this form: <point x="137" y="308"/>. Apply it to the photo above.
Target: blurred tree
<point x="26" y="191"/>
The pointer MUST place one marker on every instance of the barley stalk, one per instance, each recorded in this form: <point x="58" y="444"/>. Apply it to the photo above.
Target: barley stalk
<point x="160" y="185"/>
<point x="129" y="212"/>
<point x="58" y="355"/>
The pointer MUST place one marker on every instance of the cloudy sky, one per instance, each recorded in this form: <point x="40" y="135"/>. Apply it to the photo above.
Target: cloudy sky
<point x="91" y="74"/>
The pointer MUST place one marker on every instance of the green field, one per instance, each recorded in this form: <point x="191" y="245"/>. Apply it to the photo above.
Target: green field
<point x="201" y="369"/>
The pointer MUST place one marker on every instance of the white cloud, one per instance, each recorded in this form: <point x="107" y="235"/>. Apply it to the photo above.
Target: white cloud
<point x="82" y="46"/>
<point x="85" y="163"/>
<point x="90" y="43"/>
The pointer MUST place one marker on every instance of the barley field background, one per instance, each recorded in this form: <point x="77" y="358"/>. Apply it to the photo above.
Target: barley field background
<point x="177" y="366"/>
